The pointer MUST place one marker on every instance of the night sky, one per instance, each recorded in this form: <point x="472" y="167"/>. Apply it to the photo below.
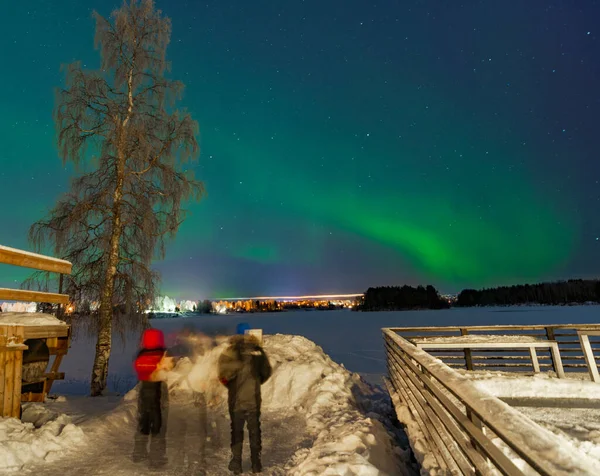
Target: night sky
<point x="346" y="143"/>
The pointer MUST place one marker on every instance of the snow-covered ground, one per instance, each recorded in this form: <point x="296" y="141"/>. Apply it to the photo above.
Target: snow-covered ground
<point x="318" y="418"/>
<point x="324" y="419"/>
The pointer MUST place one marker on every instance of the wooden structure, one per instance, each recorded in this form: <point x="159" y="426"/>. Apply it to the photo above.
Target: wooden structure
<point x="474" y="342"/>
<point x="11" y="360"/>
<point x="588" y="352"/>
<point x="55" y="335"/>
<point x="456" y="424"/>
<point x="565" y="335"/>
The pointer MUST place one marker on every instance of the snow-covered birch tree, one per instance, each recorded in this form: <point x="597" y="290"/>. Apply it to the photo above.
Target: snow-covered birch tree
<point x="119" y="126"/>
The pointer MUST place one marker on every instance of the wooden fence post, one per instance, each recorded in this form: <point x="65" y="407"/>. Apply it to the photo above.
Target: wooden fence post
<point x="550" y="336"/>
<point x="59" y="311"/>
<point x="468" y="354"/>
<point x="11" y="363"/>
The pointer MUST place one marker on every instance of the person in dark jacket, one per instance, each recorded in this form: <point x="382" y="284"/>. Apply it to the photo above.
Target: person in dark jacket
<point x="243" y="368"/>
<point x="152" y="400"/>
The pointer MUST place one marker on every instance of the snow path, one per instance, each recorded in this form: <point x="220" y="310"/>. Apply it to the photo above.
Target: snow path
<point x="110" y="445"/>
<point x="317" y="419"/>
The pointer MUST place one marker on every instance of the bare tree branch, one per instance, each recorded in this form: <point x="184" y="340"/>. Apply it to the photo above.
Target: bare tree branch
<point x="120" y="128"/>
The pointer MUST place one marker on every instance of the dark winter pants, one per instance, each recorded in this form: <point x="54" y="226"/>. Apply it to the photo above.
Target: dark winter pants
<point x="238" y="419"/>
<point x="151" y="425"/>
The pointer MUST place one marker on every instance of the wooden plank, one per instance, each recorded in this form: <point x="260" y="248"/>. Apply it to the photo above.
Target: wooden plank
<point x="513" y="327"/>
<point x="41" y="332"/>
<point x="465" y="455"/>
<point x="534" y="360"/>
<point x="550" y="335"/>
<point x="26" y="259"/>
<point x="52" y="342"/>
<point x="54" y="375"/>
<point x="35" y="296"/>
<point x="557" y="361"/>
<point x="467" y="352"/>
<point x="3" y="354"/>
<point x="13" y="347"/>
<point x="595" y="333"/>
<point x="33" y="397"/>
<point x="440" y="444"/>
<point x="18" y="368"/>
<point x="503" y="365"/>
<point x="499" y="459"/>
<point x="426" y="430"/>
<point x="589" y="357"/>
<point x="9" y="382"/>
<point x="54" y="370"/>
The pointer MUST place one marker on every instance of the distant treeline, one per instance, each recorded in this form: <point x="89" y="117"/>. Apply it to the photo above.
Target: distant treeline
<point x="561" y="292"/>
<point x="396" y="298"/>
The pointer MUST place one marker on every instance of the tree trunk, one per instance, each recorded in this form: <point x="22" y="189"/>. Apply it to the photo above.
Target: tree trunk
<point x="104" y="341"/>
<point x="103" y="344"/>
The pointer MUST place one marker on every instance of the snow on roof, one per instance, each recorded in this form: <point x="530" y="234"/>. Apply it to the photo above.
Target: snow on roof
<point x="34" y="255"/>
<point x="473" y="338"/>
<point x="29" y="319"/>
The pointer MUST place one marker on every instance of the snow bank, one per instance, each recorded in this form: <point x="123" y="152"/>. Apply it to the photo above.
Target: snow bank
<point x="29" y="319"/>
<point x="344" y="414"/>
<point x="347" y="419"/>
<point x="40" y="436"/>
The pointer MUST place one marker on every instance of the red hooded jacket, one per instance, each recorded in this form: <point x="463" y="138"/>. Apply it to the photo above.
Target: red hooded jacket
<point x="150" y="355"/>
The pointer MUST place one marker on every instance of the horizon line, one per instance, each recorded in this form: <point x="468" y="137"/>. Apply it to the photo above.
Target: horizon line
<point x="324" y="296"/>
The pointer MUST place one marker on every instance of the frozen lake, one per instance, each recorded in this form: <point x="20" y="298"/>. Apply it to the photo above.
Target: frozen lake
<point x="351" y="338"/>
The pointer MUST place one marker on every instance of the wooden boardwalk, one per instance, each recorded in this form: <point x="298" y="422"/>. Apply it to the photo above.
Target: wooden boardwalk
<point x="453" y="426"/>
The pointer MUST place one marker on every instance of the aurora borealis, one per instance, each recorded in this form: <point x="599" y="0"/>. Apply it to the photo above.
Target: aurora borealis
<point x="346" y="144"/>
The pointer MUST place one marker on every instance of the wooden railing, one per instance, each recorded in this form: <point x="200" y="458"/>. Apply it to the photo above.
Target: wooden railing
<point x="456" y="423"/>
<point x="25" y="259"/>
<point x="510" y="359"/>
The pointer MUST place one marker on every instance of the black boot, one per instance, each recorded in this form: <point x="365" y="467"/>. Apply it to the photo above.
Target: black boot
<point x="257" y="467"/>
<point x="235" y="466"/>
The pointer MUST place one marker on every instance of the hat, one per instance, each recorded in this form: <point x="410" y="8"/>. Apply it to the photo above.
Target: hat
<point x="153" y="339"/>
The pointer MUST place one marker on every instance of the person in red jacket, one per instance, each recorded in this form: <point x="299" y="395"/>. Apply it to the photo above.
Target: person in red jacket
<point x="152" y="400"/>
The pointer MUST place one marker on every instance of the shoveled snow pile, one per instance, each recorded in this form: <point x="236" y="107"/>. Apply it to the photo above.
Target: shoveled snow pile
<point x="29" y="319"/>
<point x="41" y="436"/>
<point x="346" y="418"/>
<point x="344" y="414"/>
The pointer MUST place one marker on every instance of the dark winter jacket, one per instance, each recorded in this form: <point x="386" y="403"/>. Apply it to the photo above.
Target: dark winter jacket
<point x="243" y="368"/>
